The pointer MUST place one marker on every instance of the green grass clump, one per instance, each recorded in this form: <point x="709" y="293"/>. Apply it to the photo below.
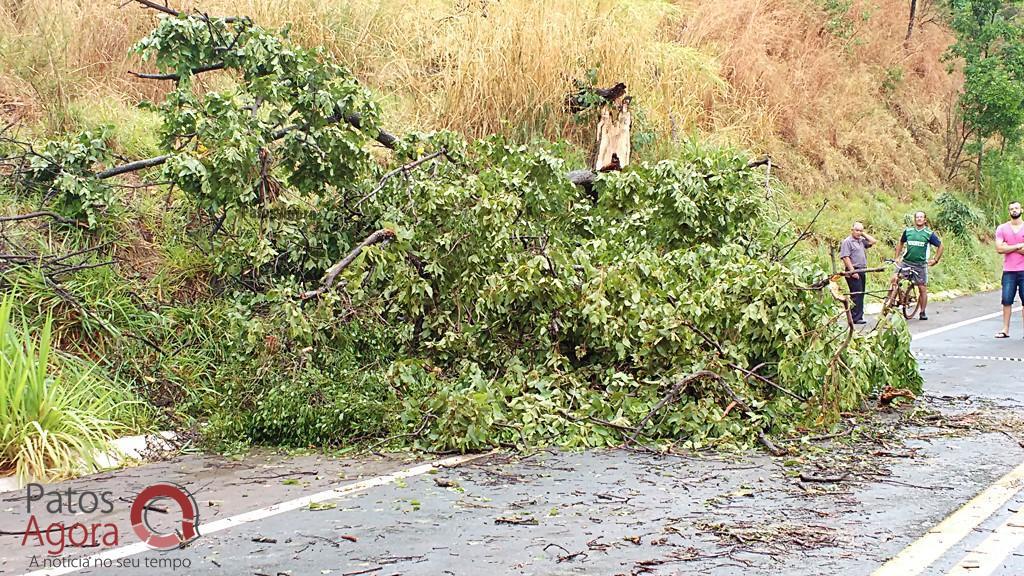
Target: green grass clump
<point x="56" y="415"/>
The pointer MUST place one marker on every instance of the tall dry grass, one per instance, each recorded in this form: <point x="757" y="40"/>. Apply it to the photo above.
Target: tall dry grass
<point x="765" y="74"/>
<point x="862" y="109"/>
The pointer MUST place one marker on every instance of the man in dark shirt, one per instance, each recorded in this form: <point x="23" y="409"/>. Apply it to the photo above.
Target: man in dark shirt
<point x="853" y="251"/>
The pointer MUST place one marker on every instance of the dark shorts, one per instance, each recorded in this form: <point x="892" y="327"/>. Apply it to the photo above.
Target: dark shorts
<point x="921" y="272"/>
<point x="1013" y="285"/>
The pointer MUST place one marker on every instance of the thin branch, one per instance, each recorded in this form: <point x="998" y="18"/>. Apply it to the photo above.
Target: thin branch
<point x="71" y="269"/>
<point x="380" y="236"/>
<point x="40" y="214"/>
<point x="761" y="436"/>
<point x="401" y="170"/>
<point x="673" y="393"/>
<point x="803" y="234"/>
<point x="83" y="251"/>
<point x="176" y="77"/>
<point x="749" y="373"/>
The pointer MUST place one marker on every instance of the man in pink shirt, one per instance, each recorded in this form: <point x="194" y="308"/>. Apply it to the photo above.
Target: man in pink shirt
<point x="1010" y="243"/>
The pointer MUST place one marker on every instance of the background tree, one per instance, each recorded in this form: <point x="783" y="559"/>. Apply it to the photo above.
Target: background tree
<point x="910" y="21"/>
<point x="990" y="41"/>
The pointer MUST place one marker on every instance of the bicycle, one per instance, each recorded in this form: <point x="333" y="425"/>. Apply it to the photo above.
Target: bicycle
<point x="902" y="291"/>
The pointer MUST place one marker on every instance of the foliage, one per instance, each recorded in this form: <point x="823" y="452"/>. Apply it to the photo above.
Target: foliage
<point x="511" y="307"/>
<point x="839" y="23"/>
<point x="1003" y="183"/>
<point x="955" y="215"/>
<point x="279" y="129"/>
<point x="892" y="79"/>
<point x="511" y="310"/>
<point x="990" y="42"/>
<point x="55" y="416"/>
<point x="63" y="170"/>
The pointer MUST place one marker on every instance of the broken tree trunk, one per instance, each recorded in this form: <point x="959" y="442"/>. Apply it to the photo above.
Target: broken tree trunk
<point x="613" y="134"/>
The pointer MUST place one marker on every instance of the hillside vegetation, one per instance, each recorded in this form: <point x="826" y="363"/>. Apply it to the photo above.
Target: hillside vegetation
<point x="825" y="86"/>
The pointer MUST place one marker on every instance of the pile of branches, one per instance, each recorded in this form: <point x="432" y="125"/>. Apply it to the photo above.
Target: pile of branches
<point x="469" y="294"/>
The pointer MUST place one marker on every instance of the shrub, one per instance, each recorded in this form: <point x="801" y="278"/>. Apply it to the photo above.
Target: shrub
<point x="955" y="215"/>
<point x="55" y="416"/>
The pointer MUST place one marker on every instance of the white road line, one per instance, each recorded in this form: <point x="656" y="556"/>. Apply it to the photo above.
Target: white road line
<point x="273" y="510"/>
<point x="913" y="559"/>
<point x="960" y="324"/>
<point x="989" y="555"/>
<point x="955" y="357"/>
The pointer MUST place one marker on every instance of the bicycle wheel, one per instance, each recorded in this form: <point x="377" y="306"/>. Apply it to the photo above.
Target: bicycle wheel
<point x="908" y="299"/>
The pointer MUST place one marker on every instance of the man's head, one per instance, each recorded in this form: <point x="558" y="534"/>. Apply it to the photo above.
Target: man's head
<point x="857" y="231"/>
<point x="920" y="219"/>
<point x="1015" y="211"/>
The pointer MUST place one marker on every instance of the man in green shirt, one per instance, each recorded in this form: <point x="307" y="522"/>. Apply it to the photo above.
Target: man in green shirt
<point x="918" y="242"/>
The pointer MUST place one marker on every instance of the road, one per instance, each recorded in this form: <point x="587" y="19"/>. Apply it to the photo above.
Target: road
<point x="933" y="491"/>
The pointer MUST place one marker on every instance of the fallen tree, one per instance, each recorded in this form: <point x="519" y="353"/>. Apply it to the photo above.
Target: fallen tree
<point x="467" y="294"/>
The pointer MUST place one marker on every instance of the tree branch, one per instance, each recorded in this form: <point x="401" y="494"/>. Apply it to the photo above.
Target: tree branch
<point x="177" y="13"/>
<point x="749" y="373"/>
<point x="385" y="139"/>
<point x="133" y="166"/>
<point x="40" y="214"/>
<point x="804" y="234"/>
<point x="403" y="170"/>
<point x="761" y="436"/>
<point x="380" y="236"/>
<point x="382" y="137"/>
<point x="586" y="178"/>
<point x="171" y="76"/>
<point x="159" y="7"/>
<point x="673" y="393"/>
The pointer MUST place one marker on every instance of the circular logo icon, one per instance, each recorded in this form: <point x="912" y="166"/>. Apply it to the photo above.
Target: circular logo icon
<point x="189" y="530"/>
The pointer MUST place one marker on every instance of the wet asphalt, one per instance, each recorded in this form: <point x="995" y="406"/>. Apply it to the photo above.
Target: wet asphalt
<point x="608" y="511"/>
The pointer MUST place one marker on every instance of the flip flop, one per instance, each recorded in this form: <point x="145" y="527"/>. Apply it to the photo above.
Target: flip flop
<point x="1002" y="335"/>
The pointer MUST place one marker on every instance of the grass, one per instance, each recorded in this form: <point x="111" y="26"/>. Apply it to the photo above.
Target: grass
<point x="1003" y="183"/>
<point x="56" y="415"/>
<point x="854" y="107"/>
<point x="969" y="263"/>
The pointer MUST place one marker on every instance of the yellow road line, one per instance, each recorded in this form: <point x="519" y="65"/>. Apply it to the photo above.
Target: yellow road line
<point x="913" y="559"/>
<point x="985" y="558"/>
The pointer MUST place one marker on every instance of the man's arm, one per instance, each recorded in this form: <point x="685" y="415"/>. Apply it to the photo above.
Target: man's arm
<point x="871" y="241"/>
<point x="1003" y="248"/>
<point x="1000" y="243"/>
<point x="938" y="255"/>
<point x="850" y="267"/>
<point x="899" y="250"/>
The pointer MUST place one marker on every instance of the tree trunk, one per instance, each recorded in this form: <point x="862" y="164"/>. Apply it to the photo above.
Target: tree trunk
<point x="613" y="135"/>
<point x="977" y="169"/>
<point x="910" y="23"/>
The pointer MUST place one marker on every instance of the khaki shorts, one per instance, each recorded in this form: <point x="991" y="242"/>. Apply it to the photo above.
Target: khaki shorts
<point x="920" y="272"/>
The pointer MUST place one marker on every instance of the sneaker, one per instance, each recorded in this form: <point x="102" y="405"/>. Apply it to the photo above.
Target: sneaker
<point x="860" y="321"/>
<point x="923" y="316"/>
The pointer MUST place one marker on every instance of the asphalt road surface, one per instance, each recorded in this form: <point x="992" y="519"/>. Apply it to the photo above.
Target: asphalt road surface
<point x="932" y="490"/>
